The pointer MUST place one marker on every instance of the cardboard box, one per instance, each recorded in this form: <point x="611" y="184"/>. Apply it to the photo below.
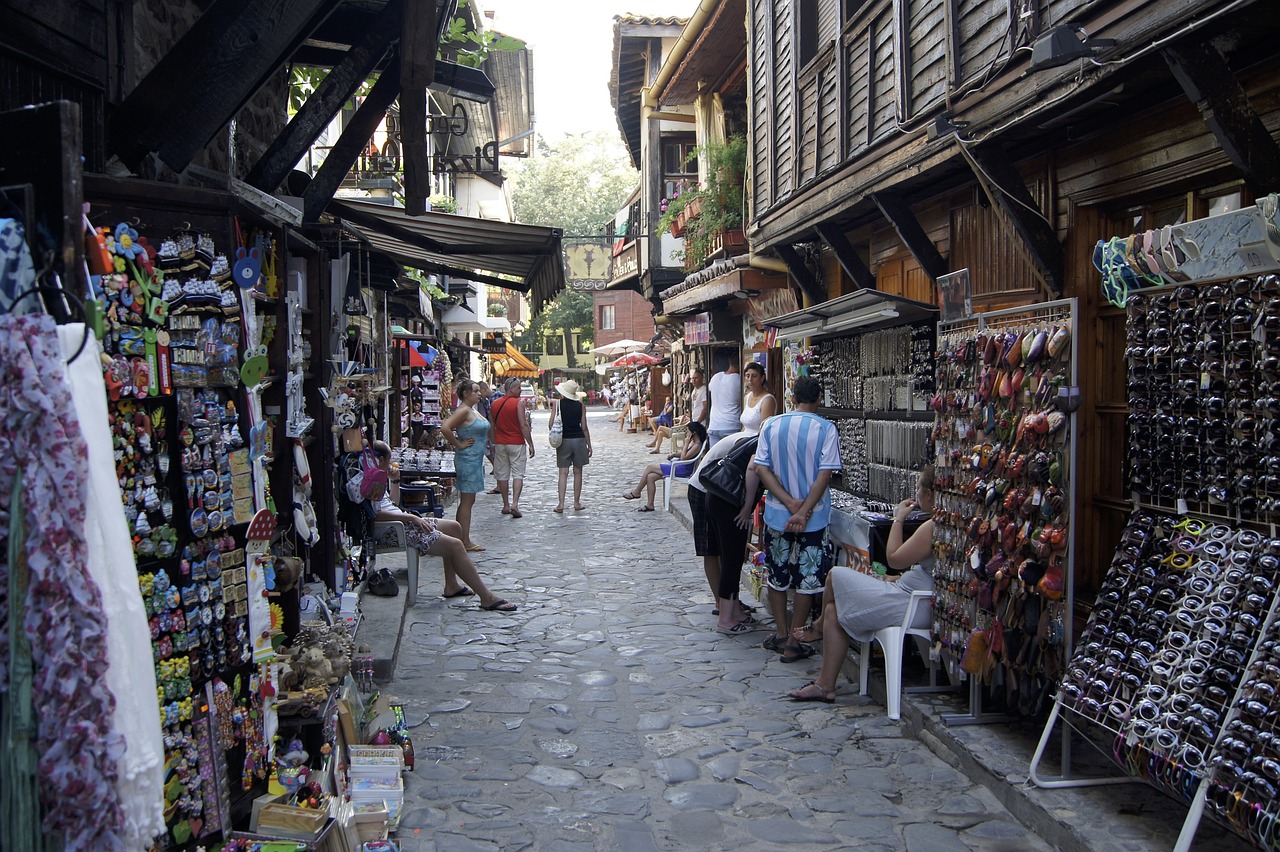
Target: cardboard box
<point x="288" y="821"/>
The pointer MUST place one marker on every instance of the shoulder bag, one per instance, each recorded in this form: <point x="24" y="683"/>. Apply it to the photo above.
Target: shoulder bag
<point x="727" y="477"/>
<point x="556" y="436"/>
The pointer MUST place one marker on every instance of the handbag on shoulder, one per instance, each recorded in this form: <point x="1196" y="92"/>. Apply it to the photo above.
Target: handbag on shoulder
<point x="726" y="477"/>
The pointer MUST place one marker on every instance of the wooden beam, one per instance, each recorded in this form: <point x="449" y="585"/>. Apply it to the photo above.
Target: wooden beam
<point x="899" y="214"/>
<point x="1004" y="187"/>
<point x="343" y="155"/>
<point x="1208" y="82"/>
<point x="800" y="272"/>
<point x="418" y="47"/>
<point x="848" y="257"/>
<point x="335" y="90"/>
<point x="204" y="79"/>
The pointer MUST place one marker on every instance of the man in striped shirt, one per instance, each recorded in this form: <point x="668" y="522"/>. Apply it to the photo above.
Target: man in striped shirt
<point x="797" y="453"/>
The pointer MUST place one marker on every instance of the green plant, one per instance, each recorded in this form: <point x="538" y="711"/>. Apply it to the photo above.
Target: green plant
<point x="443" y="204"/>
<point x="721" y="198"/>
<point x="497" y="309"/>
<point x="471" y="47"/>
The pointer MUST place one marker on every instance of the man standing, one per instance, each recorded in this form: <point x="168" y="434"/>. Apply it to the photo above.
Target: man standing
<point x="698" y="399"/>
<point x="511" y="436"/>
<point x="726" y="403"/>
<point x="796" y="455"/>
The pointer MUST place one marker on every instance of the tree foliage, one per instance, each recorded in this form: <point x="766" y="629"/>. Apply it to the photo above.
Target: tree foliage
<point x="576" y="184"/>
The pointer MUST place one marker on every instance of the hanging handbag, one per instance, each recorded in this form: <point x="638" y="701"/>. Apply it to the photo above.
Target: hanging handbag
<point x="726" y="477"/>
<point x="556" y="436"/>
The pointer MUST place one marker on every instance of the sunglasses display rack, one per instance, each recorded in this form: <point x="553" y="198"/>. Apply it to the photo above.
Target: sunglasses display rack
<point x="1004" y="463"/>
<point x="1179" y="667"/>
<point x="875" y="384"/>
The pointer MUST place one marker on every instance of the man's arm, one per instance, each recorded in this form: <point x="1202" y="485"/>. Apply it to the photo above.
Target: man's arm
<point x="524" y="425"/>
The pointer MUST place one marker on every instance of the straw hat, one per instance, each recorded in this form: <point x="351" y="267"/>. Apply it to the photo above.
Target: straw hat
<point x="569" y="390"/>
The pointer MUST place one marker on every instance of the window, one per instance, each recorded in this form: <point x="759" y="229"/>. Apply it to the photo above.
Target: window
<point x="555" y="344"/>
<point x="679" y="162"/>
<point x="607" y="321"/>
<point x="806" y="24"/>
<point x="582" y="344"/>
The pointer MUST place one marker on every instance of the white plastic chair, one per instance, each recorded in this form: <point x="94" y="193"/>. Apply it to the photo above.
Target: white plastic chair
<point x="390" y="535"/>
<point x="891" y="639"/>
<point x="679" y="437"/>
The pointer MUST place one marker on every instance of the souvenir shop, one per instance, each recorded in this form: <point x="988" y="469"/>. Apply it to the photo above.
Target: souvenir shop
<point x="195" y="679"/>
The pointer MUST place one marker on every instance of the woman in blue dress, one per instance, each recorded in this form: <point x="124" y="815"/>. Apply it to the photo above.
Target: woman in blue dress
<point x="465" y="430"/>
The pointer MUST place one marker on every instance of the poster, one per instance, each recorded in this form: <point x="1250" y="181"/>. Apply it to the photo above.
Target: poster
<point x="955" y="298"/>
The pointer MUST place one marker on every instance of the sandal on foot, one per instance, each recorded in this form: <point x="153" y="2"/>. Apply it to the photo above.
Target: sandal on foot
<point x="516" y="513"/>
<point x="645" y="509"/>
<point x="475" y="548"/>
<point x="737" y="629"/>
<point x="464" y="592"/>
<point x="559" y="510"/>
<point x="579" y="508"/>
<point x="806" y="693"/>
<point x="799" y="635"/>
<point x="774" y="643"/>
<point x="798" y="653"/>
<point x="506" y="511"/>
<point x="631" y="495"/>
<point x="500" y="605"/>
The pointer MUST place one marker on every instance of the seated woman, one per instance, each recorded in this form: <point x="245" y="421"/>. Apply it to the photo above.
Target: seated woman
<point x="661" y="427"/>
<point x="438" y="538"/>
<point x="685" y="464"/>
<point x="861" y="604"/>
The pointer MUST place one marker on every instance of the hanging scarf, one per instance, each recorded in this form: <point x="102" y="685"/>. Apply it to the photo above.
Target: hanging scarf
<point x="62" y="614"/>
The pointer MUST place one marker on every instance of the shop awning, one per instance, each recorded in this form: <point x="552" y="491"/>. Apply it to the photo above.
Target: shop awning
<point x="728" y="278"/>
<point x="483" y="250"/>
<point x="513" y="363"/>
<point x="861" y="311"/>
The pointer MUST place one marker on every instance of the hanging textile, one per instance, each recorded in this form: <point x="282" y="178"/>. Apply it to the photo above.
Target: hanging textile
<point x="17" y="272"/>
<point x="62" y="614"/>
<point x="130" y="675"/>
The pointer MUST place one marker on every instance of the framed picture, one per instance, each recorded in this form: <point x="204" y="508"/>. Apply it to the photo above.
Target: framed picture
<point x="955" y="299"/>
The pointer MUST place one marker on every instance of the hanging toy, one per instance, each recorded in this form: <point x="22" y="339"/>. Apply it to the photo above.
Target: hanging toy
<point x="247" y="269"/>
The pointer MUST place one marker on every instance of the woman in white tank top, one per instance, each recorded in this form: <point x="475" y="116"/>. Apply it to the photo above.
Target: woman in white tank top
<point x="759" y="405"/>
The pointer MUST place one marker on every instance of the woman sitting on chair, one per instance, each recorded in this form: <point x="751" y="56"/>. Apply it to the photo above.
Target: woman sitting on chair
<point x="861" y="604"/>
<point x="684" y="464"/>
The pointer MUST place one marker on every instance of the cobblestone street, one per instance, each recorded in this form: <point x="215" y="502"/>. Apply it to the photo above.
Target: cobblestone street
<point x="607" y="714"/>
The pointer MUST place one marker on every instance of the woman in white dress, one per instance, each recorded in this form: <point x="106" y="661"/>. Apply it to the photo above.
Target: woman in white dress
<point x="759" y="405"/>
<point x="861" y="604"/>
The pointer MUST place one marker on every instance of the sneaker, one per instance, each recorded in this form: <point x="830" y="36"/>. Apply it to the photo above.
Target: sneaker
<point x="774" y="643"/>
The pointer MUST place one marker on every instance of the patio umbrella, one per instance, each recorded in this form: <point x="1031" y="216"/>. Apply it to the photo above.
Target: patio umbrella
<point x="634" y="359"/>
<point x="619" y="347"/>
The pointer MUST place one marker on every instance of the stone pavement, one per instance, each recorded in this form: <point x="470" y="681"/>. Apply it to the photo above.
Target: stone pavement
<point x="607" y="714"/>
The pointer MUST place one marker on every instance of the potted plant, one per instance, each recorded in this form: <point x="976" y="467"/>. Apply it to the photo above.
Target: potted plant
<point x="717" y="224"/>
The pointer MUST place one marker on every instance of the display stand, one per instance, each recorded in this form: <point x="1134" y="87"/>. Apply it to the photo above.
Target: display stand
<point x="1005" y="459"/>
<point x="1180" y="661"/>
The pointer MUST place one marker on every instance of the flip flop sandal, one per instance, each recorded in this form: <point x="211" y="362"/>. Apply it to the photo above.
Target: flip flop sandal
<point x="645" y="509"/>
<point x="475" y="548"/>
<point x="516" y="513"/>
<point x="630" y="495"/>
<point x="464" y="592"/>
<point x="500" y="605"/>
<point x="821" y="696"/>
<point x="737" y="629"/>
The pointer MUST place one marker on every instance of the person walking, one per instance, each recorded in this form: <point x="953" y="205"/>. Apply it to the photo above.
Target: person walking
<point x="725" y="391"/>
<point x="510" y="439"/>
<point x="797" y="453"/>
<point x="575" y="444"/>
<point x="466" y="431"/>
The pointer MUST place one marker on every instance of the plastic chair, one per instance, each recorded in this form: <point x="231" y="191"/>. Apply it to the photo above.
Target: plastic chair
<point x="390" y="535"/>
<point x="671" y="478"/>
<point x="891" y="639"/>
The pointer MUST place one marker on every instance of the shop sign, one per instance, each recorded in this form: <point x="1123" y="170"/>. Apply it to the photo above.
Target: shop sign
<point x="697" y="329"/>
<point x="496" y="343"/>
<point x="627" y="262"/>
<point x="587" y="264"/>
<point x="483" y="162"/>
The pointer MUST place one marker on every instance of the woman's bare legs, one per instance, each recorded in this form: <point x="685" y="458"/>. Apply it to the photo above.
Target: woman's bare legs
<point x="451" y="582"/>
<point x="560" y="487"/>
<point x="813" y="632"/>
<point x="835" y="644"/>
<point x="659" y="434"/>
<point x="466" y="502"/>
<point x="456" y="561"/>
<point x="577" y="490"/>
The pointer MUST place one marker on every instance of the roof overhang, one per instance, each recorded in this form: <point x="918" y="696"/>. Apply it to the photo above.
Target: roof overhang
<point x="632" y="35"/>
<point x="864" y="310"/>
<point x="717" y="59"/>
<point x="515" y="256"/>
<point x="719" y="282"/>
<point x="513" y="363"/>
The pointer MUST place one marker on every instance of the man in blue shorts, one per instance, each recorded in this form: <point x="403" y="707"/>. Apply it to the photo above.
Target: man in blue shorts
<point x="797" y="453"/>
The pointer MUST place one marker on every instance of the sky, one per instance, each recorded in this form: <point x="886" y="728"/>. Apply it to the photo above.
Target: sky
<point x="572" y="43"/>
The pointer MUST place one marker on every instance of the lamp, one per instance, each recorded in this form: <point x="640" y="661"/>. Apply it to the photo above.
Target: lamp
<point x="858" y="319"/>
<point x="746" y="294"/>
<point x="470" y="84"/>
<point x="804" y="329"/>
<point x="1060" y="46"/>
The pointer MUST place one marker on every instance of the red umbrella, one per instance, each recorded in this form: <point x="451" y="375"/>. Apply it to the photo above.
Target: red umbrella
<point x="634" y="359"/>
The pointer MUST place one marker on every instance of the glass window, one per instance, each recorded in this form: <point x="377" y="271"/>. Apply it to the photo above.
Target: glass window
<point x="1224" y="203"/>
<point x="607" y="320"/>
<point x="679" y="163"/>
<point x="806" y="18"/>
<point x="555" y="344"/>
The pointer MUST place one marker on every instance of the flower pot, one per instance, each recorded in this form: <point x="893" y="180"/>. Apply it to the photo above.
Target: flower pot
<point x="687" y="214"/>
<point x="728" y="243"/>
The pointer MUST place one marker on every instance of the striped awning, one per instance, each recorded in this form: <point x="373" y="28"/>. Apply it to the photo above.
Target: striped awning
<point x="513" y="363"/>
<point x="505" y="254"/>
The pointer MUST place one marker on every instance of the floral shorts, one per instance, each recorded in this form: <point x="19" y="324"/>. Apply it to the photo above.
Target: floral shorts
<point x="798" y="561"/>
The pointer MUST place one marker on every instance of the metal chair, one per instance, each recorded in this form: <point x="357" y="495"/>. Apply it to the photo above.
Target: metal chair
<point x="390" y="535"/>
<point x="891" y="639"/>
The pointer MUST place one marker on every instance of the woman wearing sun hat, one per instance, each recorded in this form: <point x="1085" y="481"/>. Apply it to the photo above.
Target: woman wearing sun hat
<point x="575" y="447"/>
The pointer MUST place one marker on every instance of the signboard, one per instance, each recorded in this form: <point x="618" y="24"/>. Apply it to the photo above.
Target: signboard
<point x="587" y="264"/>
<point x="955" y="298"/>
<point x="496" y="342"/>
<point x="697" y="329"/>
<point x="627" y="263"/>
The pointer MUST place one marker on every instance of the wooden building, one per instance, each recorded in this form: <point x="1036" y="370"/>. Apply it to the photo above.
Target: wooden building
<point x="893" y="142"/>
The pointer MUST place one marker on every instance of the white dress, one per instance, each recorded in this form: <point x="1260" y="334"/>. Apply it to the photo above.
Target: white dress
<point x="865" y="604"/>
<point x="752" y="419"/>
